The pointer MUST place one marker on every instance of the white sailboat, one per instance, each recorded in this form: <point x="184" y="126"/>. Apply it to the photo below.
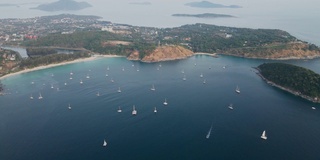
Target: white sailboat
<point x="119" y="90"/>
<point x="153" y="88"/>
<point x="104" y="143"/>
<point x="201" y="75"/>
<point x="238" y="90"/>
<point x="119" y="110"/>
<point x="108" y="68"/>
<point x="81" y="82"/>
<point x="87" y="76"/>
<point x="165" y="102"/>
<point x="52" y="86"/>
<point x="182" y="71"/>
<point x="98" y="94"/>
<point x="209" y="132"/>
<point x="40" y="96"/>
<point x="31" y="97"/>
<point x="230" y="106"/>
<point x="134" y="111"/>
<point x="70" y="77"/>
<point x="264" y="136"/>
<point x="204" y="81"/>
<point x="155" y="110"/>
<point x="112" y="80"/>
<point x="122" y="68"/>
<point x="107" y="75"/>
<point x="69" y="107"/>
<point x="65" y="83"/>
<point x="313" y="107"/>
<point x="184" y="78"/>
<point x="71" y="73"/>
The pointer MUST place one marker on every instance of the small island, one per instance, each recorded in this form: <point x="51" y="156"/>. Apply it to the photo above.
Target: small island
<point x="63" y="5"/>
<point x="204" y="15"/>
<point x="294" y="79"/>
<point x="206" y="4"/>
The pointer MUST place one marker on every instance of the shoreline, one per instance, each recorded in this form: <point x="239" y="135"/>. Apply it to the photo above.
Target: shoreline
<point x="286" y="89"/>
<point x="277" y="59"/>
<point x="179" y="58"/>
<point x="94" y="57"/>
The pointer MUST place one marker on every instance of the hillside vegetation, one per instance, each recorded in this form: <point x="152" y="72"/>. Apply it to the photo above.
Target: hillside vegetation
<point x="297" y="79"/>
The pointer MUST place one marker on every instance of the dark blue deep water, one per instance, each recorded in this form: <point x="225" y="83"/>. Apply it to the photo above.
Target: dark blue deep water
<point x="47" y="130"/>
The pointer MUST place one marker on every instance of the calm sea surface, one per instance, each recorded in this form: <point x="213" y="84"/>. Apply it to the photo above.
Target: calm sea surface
<point x="47" y="129"/>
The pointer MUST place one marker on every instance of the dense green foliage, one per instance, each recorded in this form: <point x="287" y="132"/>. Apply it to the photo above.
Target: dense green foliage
<point x="93" y="41"/>
<point x="50" y="59"/>
<point x="34" y="52"/>
<point x="210" y="38"/>
<point x="292" y="77"/>
<point x="83" y="39"/>
<point x="197" y="37"/>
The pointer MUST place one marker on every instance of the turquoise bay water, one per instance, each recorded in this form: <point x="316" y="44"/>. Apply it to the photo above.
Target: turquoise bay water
<point x="46" y="129"/>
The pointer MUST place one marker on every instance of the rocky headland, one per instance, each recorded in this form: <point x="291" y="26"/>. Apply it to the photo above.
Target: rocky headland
<point x="163" y="53"/>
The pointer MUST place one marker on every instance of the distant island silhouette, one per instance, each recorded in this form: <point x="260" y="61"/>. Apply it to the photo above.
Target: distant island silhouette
<point x="63" y="5"/>
<point x="206" y="4"/>
<point x="204" y="15"/>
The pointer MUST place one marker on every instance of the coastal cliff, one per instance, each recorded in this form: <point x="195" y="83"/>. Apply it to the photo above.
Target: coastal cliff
<point x="296" y="50"/>
<point x="165" y="53"/>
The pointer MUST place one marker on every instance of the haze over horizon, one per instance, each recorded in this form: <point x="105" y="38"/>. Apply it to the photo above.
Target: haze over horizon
<point x="296" y="17"/>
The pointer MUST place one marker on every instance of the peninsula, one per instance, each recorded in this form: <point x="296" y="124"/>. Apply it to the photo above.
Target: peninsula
<point x="148" y="44"/>
<point x="294" y="79"/>
<point x="204" y="15"/>
<point x="63" y="5"/>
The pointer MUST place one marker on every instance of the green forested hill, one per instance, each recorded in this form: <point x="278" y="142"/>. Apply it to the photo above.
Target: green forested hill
<point x="295" y="78"/>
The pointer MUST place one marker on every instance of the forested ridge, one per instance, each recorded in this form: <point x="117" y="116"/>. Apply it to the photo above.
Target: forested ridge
<point x="245" y="42"/>
<point x="298" y="79"/>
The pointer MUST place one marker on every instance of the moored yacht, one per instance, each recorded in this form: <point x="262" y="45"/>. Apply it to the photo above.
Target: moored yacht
<point x="264" y="136"/>
<point x="40" y="96"/>
<point x="134" y="111"/>
<point x="155" y="110"/>
<point x="230" y="106"/>
<point x="104" y="143"/>
<point x="238" y="90"/>
<point x="165" y="102"/>
<point x="119" y="110"/>
<point x="153" y="88"/>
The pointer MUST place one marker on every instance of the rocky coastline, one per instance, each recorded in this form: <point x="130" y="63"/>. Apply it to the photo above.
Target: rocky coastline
<point x="296" y="93"/>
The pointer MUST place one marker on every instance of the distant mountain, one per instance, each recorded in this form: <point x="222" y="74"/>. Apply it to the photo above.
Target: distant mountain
<point x="206" y="4"/>
<point x="63" y="5"/>
<point x="204" y="15"/>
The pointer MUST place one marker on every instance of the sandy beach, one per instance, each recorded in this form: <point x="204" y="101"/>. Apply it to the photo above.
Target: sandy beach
<point x="94" y="57"/>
